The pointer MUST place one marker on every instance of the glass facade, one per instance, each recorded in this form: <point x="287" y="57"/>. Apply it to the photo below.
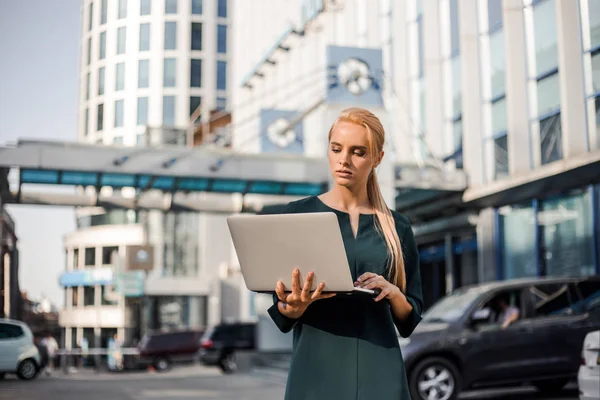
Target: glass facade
<point x="195" y="101"/>
<point x="119" y="113"/>
<point x="517" y="248"/>
<point x="102" y="53"/>
<point x="100" y="117"/>
<point x="222" y="8"/>
<point x="169" y="111"/>
<point x="221" y="75"/>
<point x="196" y="36"/>
<point x="145" y="7"/>
<point x="143" y="73"/>
<point x="144" y="37"/>
<point x="111" y="217"/>
<point x="120" y="79"/>
<point x="142" y="110"/>
<point x="121" y="40"/>
<point x="222" y="39"/>
<point x="122" y="9"/>
<point x="180" y="254"/>
<point x="170" y="6"/>
<point x="170" y="35"/>
<point x="101" y="81"/>
<point x="170" y="72"/>
<point x="197" y="7"/>
<point x="196" y="73"/>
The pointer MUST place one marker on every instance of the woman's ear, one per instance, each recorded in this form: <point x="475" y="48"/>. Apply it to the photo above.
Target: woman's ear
<point x="379" y="158"/>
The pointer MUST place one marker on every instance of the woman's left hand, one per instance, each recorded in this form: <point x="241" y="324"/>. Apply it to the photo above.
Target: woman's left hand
<point x="369" y="280"/>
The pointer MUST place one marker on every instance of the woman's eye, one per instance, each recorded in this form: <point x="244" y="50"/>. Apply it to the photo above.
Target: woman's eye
<point x="335" y="150"/>
<point x="360" y="153"/>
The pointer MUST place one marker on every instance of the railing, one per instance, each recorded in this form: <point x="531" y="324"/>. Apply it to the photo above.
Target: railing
<point x="73" y="357"/>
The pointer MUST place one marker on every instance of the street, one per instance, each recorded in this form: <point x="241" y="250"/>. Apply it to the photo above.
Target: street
<point x="195" y="382"/>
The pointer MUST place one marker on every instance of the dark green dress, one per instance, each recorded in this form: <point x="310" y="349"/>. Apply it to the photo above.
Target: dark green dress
<point x="346" y="347"/>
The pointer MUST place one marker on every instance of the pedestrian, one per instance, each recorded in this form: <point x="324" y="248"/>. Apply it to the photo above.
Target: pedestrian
<point x="346" y="347"/>
<point x="51" y="348"/>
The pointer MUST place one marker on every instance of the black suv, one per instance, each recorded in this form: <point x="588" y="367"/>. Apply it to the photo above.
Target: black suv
<point x="162" y="349"/>
<point x="500" y="333"/>
<point x="221" y="341"/>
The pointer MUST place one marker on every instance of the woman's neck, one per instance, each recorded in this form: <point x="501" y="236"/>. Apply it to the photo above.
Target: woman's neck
<point x="348" y="199"/>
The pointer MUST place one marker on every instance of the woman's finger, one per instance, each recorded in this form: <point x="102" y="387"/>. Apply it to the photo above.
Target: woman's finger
<point x="318" y="291"/>
<point x="376" y="284"/>
<point x="369" y="280"/>
<point x="365" y="276"/>
<point x="280" y="291"/>
<point x="296" y="282"/>
<point x="307" y="287"/>
<point x="382" y="295"/>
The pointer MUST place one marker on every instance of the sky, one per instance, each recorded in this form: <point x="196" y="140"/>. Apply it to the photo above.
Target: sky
<point x="39" y="73"/>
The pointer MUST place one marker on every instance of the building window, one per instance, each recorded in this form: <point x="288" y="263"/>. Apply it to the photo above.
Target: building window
<point x="221" y="103"/>
<point x="222" y="39"/>
<point x="86" y="122"/>
<point x="170" y="6"/>
<point x="222" y="8"/>
<point x="102" y="46"/>
<point x="197" y="7"/>
<point x="100" y="121"/>
<point x="195" y="102"/>
<point x="122" y="9"/>
<point x="196" y="73"/>
<point x="144" y="37"/>
<point x="103" y="12"/>
<point x="101" y="81"/>
<point x="89" y="296"/>
<point x="456" y="86"/>
<point x="196" y="36"/>
<point x="544" y="25"/>
<point x="90" y="256"/>
<point x="143" y="73"/>
<point x="121" y="40"/>
<point x="142" y="110"/>
<point x="91" y="17"/>
<point x="75" y="296"/>
<point x="551" y="139"/>
<point x="180" y="254"/>
<point x="89" y="50"/>
<point x="119" y="113"/>
<point x="118" y="140"/>
<point x="494" y="9"/>
<point x="106" y="301"/>
<point x="120" y="79"/>
<point x="145" y="7"/>
<point x="170" y="35"/>
<point x="517" y="235"/>
<point x="170" y="72"/>
<point x="221" y="75"/>
<point x="87" y="86"/>
<point x="497" y="60"/>
<point x="499" y="118"/>
<point x="548" y="94"/>
<point x="169" y="111"/>
<point x="107" y="254"/>
<point x="75" y="259"/>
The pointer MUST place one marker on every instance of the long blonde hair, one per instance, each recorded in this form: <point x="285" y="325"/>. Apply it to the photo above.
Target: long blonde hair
<point x="385" y="221"/>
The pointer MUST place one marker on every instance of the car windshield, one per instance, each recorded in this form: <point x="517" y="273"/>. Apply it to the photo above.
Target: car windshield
<point x="451" y="307"/>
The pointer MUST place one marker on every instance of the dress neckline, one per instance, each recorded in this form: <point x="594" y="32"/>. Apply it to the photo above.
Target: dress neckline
<point x="339" y="211"/>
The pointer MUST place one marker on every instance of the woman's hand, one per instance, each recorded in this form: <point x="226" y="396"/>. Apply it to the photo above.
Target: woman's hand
<point x="293" y="304"/>
<point x="369" y="280"/>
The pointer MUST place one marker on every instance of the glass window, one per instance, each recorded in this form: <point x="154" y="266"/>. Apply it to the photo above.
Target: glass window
<point x="170" y="6"/>
<point x="145" y="7"/>
<point x="457" y="135"/>
<point x="454" y="33"/>
<point x="196" y="6"/>
<point x="120" y="79"/>
<point x="75" y="296"/>
<point x="180" y="254"/>
<point x="499" y="117"/>
<point x="118" y="140"/>
<point x="196" y="73"/>
<point x="170" y="72"/>
<point x="596" y="73"/>
<point x="422" y="105"/>
<point x="544" y="25"/>
<point x="196" y="36"/>
<point x="122" y="9"/>
<point x="102" y="46"/>
<point x="550" y="299"/>
<point x="10" y="331"/>
<point x="101" y="81"/>
<point x="501" y="157"/>
<point x="420" y="44"/>
<point x="90" y="256"/>
<point x="169" y="110"/>
<point x="105" y="300"/>
<point x="567" y="235"/>
<point x="456" y="87"/>
<point x="222" y="8"/>
<point x="103" y="12"/>
<point x="170" y="35"/>
<point x="143" y="73"/>
<point x="221" y="75"/>
<point x="497" y="60"/>
<point x="588" y="295"/>
<point x="107" y="254"/>
<point x="142" y="110"/>
<point x="144" y="37"/>
<point x="221" y="103"/>
<point x="222" y="39"/>
<point x="517" y="235"/>
<point x="119" y="113"/>
<point x="100" y="121"/>
<point x="121" y="39"/>
<point x="87" y="86"/>
<point x="91" y="17"/>
<point x="89" y="49"/>
<point x="594" y="12"/>
<point x="494" y="14"/>
<point x="86" y="122"/>
<point x="75" y="259"/>
<point x="548" y="94"/>
<point x="551" y="139"/>
<point x="194" y="103"/>
<point x="89" y="294"/>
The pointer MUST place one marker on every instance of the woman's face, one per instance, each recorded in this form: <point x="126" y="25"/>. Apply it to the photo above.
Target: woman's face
<point x="350" y="161"/>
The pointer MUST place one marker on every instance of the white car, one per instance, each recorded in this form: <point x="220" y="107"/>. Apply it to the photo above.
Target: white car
<point x="18" y="353"/>
<point x="589" y="371"/>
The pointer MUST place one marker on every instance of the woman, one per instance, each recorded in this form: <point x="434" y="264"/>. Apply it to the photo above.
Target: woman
<point x="346" y="347"/>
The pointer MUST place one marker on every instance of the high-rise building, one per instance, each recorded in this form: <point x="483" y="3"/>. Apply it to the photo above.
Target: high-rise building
<point x="146" y="66"/>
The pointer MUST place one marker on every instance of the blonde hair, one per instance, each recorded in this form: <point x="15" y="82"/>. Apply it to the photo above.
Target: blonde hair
<point x="385" y="221"/>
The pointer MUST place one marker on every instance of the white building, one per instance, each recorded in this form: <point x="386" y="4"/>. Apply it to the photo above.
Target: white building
<point x="145" y="67"/>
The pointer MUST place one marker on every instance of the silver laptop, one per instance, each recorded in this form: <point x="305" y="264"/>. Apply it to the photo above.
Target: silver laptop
<point x="269" y="247"/>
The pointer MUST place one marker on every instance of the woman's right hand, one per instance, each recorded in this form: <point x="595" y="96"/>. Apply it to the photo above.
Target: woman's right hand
<point x="293" y="304"/>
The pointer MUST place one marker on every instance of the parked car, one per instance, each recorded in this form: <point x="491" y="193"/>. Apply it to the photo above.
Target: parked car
<point x="18" y="354"/>
<point x="589" y="370"/>
<point x="220" y="343"/>
<point x="461" y="344"/>
<point x="163" y="349"/>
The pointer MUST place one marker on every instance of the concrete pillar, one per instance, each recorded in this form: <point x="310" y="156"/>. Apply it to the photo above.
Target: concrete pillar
<point x="570" y="65"/>
<point x="486" y="245"/>
<point x="449" y="263"/>
<point x="471" y="91"/>
<point x="519" y="143"/>
<point x="434" y="72"/>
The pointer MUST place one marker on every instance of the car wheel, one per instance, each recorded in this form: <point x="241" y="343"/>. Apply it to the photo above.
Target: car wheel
<point x="27" y="370"/>
<point x="162" y="364"/>
<point x="227" y="363"/>
<point x="551" y="386"/>
<point x="435" y="378"/>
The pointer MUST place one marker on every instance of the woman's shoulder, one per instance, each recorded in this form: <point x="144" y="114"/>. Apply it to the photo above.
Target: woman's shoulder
<point x="306" y="204"/>
<point x="402" y="222"/>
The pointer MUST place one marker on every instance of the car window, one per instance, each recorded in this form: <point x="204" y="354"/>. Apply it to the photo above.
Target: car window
<point x="10" y="331"/>
<point x="451" y="307"/>
<point x="551" y="299"/>
<point x="587" y="296"/>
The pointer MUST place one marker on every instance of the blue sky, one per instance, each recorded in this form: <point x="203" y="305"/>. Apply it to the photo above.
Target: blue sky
<point x="39" y="73"/>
